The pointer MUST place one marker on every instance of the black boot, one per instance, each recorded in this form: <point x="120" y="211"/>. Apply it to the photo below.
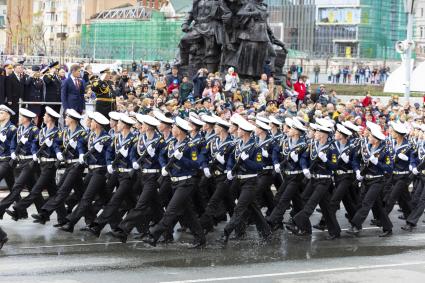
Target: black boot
<point x="224" y="239"/>
<point x="151" y="240"/>
<point x="408" y="227"/>
<point x="120" y="235"/>
<point x="68" y="227"/>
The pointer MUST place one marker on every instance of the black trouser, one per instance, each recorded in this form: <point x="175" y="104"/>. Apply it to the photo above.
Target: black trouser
<point x="96" y="182"/>
<point x="179" y="207"/>
<point x="247" y="207"/>
<point x="419" y="207"/>
<point x="201" y="193"/>
<point x="24" y="179"/>
<point x="370" y="198"/>
<point x="165" y="191"/>
<point x="290" y="191"/>
<point x="343" y="186"/>
<point x="264" y="194"/>
<point x="320" y="196"/>
<point x="46" y="180"/>
<point x="111" y="210"/>
<point x="3" y="234"/>
<point x="71" y="179"/>
<point x="400" y="193"/>
<point x="222" y="194"/>
<point x="6" y="173"/>
<point x="148" y="205"/>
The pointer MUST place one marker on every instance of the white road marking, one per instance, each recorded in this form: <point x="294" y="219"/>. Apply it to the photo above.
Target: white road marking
<point x="348" y="268"/>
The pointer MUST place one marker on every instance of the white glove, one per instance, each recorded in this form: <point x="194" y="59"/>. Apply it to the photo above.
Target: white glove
<point x="48" y="142"/>
<point x="323" y="157"/>
<point x="230" y="176"/>
<point x="345" y="157"/>
<point x="358" y="176"/>
<point x="110" y="169"/>
<point x="277" y="168"/>
<point x="24" y="140"/>
<point x="265" y="153"/>
<point x="73" y="143"/>
<point x="415" y="171"/>
<point x="294" y="156"/>
<point x="34" y="158"/>
<point x="164" y="172"/>
<point x="2" y="137"/>
<point x="59" y="156"/>
<point x="81" y="159"/>
<point x="244" y="155"/>
<point x="98" y="147"/>
<point x="13" y="156"/>
<point x="403" y="156"/>
<point x="207" y="172"/>
<point x="373" y="159"/>
<point x="136" y="165"/>
<point x="307" y="173"/>
<point x="151" y="150"/>
<point x="178" y="154"/>
<point x="124" y="152"/>
<point x="220" y="158"/>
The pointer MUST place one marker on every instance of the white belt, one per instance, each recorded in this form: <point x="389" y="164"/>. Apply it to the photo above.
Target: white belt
<point x="218" y="172"/>
<point x="92" y="167"/>
<point x="23" y="157"/>
<point x="342" y="172"/>
<point x="44" y="159"/>
<point x="178" y="179"/>
<point x="150" y="171"/>
<point x="268" y="168"/>
<point x="401" y="172"/>
<point x="241" y="177"/>
<point x="4" y="157"/>
<point x="293" y="172"/>
<point x="370" y="177"/>
<point x="123" y="170"/>
<point x="71" y="161"/>
<point x="318" y="176"/>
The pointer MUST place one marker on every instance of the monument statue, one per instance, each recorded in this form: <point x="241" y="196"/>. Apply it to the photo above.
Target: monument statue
<point x="219" y="34"/>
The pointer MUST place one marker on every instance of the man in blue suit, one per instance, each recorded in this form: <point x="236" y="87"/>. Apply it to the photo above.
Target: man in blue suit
<point x="72" y="91"/>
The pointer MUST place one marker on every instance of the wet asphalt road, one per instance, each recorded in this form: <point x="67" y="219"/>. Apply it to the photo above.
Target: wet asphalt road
<point x="37" y="253"/>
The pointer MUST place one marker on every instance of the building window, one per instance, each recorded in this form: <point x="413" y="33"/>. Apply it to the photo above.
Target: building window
<point x="422" y="12"/>
<point x="421" y="32"/>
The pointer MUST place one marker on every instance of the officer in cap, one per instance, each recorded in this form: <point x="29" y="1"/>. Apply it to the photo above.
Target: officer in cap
<point x="22" y="150"/>
<point x="376" y="160"/>
<point x="403" y="149"/>
<point x="7" y="134"/>
<point x="114" y="117"/>
<point x="291" y="161"/>
<point x="181" y="166"/>
<point x="74" y="143"/>
<point x="53" y="85"/>
<point x="105" y="101"/>
<point x="244" y="165"/>
<point x="321" y="173"/>
<point x="34" y="92"/>
<point x="145" y="160"/>
<point x="99" y="154"/>
<point x="48" y="148"/>
<point x="222" y="148"/>
<point x="120" y="163"/>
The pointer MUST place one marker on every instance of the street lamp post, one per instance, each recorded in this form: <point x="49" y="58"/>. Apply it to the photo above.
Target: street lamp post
<point x="409" y="8"/>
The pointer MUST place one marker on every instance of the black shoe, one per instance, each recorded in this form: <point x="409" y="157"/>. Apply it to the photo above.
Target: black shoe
<point x="386" y="234"/>
<point x="85" y="228"/>
<point x="3" y="241"/>
<point x="39" y="218"/>
<point x="407" y="227"/>
<point x="150" y="240"/>
<point x="353" y="231"/>
<point x="332" y="237"/>
<point x="68" y="227"/>
<point x="13" y="214"/>
<point x="95" y="231"/>
<point x="60" y="224"/>
<point x="224" y="239"/>
<point x="402" y="217"/>
<point x="120" y="235"/>
<point x="276" y="226"/>
<point x="320" y="227"/>
<point x="166" y="238"/>
<point x="198" y="244"/>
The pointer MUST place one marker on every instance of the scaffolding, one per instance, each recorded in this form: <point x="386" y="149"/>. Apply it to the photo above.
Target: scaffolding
<point x="152" y="38"/>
